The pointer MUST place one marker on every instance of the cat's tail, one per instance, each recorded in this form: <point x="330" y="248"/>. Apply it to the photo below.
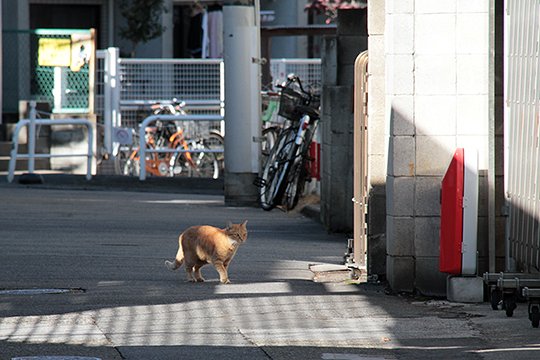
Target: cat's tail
<point x="173" y="265"/>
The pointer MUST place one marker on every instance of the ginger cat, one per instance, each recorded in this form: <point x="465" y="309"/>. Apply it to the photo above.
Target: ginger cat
<point x="201" y="245"/>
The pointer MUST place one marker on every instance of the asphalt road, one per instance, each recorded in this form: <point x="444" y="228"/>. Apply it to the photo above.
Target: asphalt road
<point x="106" y="249"/>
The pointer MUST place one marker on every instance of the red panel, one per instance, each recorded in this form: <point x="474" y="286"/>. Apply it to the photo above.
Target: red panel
<point x="452" y="216"/>
<point x="314" y="166"/>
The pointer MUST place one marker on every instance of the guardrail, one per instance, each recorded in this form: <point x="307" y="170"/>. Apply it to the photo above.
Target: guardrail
<point x="31" y="156"/>
<point x="143" y="150"/>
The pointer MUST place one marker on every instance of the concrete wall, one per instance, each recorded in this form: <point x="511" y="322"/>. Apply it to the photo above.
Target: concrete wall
<point x="339" y="54"/>
<point x="437" y="77"/>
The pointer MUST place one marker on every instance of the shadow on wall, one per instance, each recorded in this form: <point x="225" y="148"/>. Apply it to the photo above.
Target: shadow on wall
<point x="419" y="155"/>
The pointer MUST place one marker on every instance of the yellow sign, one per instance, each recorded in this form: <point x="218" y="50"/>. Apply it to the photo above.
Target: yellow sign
<point x="81" y="50"/>
<point x="54" y="52"/>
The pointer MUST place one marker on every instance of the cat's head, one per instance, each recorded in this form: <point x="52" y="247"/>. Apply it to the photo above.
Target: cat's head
<point x="238" y="231"/>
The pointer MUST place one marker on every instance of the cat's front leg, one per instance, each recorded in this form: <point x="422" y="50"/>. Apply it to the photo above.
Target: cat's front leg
<point x="223" y="277"/>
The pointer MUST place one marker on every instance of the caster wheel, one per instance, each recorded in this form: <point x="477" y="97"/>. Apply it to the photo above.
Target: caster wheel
<point x="510" y="307"/>
<point x="534" y="316"/>
<point x="495" y="298"/>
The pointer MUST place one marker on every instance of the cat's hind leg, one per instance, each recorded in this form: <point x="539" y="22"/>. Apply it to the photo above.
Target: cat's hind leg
<point x="197" y="272"/>
<point x="189" y="272"/>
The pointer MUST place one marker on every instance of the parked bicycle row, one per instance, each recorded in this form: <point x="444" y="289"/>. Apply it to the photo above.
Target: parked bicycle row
<point x="289" y="123"/>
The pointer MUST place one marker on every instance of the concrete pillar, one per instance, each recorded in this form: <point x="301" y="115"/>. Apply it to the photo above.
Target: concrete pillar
<point x="241" y="45"/>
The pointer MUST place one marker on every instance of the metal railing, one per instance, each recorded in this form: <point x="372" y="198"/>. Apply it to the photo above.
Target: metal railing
<point x="143" y="150"/>
<point x="31" y="156"/>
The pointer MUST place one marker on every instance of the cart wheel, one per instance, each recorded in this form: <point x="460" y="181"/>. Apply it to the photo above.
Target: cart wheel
<point x="510" y="306"/>
<point x="534" y="316"/>
<point x="495" y="299"/>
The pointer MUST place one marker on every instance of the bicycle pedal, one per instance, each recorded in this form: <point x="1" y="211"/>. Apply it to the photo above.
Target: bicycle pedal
<point x="259" y="182"/>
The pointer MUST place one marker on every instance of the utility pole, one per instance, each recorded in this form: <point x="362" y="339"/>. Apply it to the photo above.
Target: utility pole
<point x="241" y="54"/>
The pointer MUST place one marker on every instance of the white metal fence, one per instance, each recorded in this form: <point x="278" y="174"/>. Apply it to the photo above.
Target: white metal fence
<point x="125" y="88"/>
<point x="198" y="82"/>
<point x="522" y="151"/>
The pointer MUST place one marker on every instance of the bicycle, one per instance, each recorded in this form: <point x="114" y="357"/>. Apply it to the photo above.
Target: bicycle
<point x="190" y="159"/>
<point x="285" y="172"/>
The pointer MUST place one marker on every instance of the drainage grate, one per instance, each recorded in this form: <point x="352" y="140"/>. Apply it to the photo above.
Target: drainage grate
<point x="40" y="292"/>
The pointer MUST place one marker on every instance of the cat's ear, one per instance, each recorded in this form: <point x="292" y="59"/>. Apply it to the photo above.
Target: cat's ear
<point x="244" y="224"/>
<point x="229" y="225"/>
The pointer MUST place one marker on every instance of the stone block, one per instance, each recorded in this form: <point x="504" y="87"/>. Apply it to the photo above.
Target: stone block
<point x="400" y="31"/>
<point x="329" y="61"/>
<point x="401" y="160"/>
<point x="483" y="195"/>
<point x="338" y="109"/>
<point x="435" y="75"/>
<point x="377" y="211"/>
<point x="442" y="121"/>
<point x="433" y="154"/>
<point x="401" y="115"/>
<point x="400" y="272"/>
<point x="376" y="137"/>
<point x="376" y="51"/>
<point x="472" y="114"/>
<point x="400" y="236"/>
<point x="428" y="196"/>
<point x="352" y="22"/>
<point x="463" y="289"/>
<point x="472" y="42"/>
<point x="349" y="47"/>
<point x="426" y="236"/>
<point x="435" y="34"/>
<point x="400" y="196"/>
<point x="472" y="73"/>
<point x="468" y="6"/>
<point x="377" y="171"/>
<point x="483" y="250"/>
<point x="376" y="18"/>
<point x="376" y="90"/>
<point x="377" y="254"/>
<point x="398" y="6"/>
<point x="434" y="6"/>
<point x="429" y="281"/>
<point x="400" y="75"/>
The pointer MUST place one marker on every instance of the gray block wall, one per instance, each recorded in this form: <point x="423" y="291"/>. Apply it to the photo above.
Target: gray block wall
<point x="436" y="94"/>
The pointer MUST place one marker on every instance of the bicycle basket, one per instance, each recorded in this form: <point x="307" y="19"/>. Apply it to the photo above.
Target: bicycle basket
<point x="289" y="102"/>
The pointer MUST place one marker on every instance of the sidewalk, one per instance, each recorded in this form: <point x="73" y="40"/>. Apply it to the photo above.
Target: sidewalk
<point x="106" y="248"/>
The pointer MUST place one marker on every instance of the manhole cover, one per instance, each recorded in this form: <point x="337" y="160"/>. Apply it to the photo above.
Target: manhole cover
<point x="39" y="291"/>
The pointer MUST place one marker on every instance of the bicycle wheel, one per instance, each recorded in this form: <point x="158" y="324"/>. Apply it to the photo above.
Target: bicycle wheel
<point x="295" y="184"/>
<point x="215" y="141"/>
<point x="296" y="180"/>
<point x="269" y="136"/>
<point x="132" y="165"/>
<point x="202" y="164"/>
<point x="275" y="170"/>
<point x="121" y="158"/>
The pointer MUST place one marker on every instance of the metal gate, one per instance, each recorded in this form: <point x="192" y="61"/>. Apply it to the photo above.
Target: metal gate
<point x="522" y="130"/>
<point x="49" y="65"/>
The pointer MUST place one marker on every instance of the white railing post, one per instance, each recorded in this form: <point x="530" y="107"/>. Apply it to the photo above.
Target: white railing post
<point x="31" y="150"/>
<point x="32" y="138"/>
<point x="112" y="96"/>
